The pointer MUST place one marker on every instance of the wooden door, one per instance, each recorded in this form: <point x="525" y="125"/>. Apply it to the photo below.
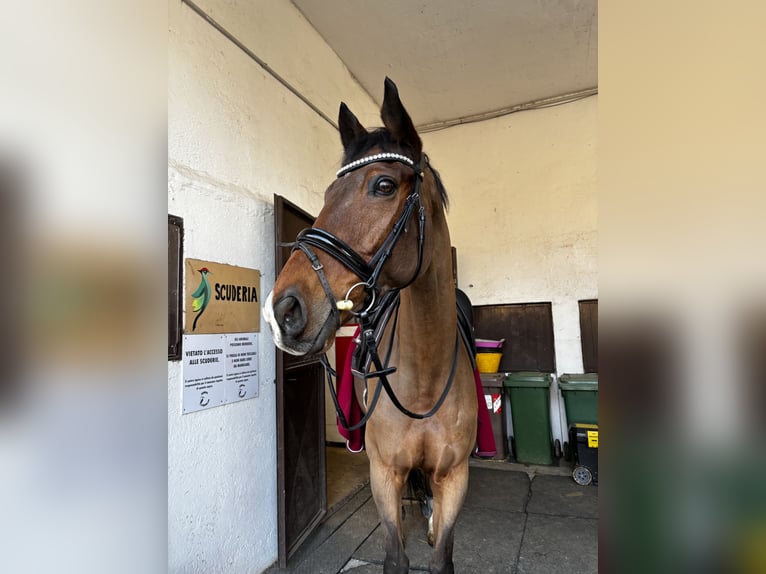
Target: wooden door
<point x="301" y="478"/>
<point x="528" y="332"/>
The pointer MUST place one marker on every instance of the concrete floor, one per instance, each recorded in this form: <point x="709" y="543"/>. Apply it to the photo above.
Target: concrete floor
<point x="347" y="473"/>
<point x="516" y="518"/>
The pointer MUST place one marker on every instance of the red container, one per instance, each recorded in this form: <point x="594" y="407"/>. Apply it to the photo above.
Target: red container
<point x="344" y="344"/>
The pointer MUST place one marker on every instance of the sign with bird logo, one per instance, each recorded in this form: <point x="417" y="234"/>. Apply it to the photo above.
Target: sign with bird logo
<point x="221" y="298"/>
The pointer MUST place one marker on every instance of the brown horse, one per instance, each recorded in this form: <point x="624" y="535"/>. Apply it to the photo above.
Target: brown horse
<point x="379" y="254"/>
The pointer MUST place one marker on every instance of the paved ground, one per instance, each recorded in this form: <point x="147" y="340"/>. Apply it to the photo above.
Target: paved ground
<point x="512" y="521"/>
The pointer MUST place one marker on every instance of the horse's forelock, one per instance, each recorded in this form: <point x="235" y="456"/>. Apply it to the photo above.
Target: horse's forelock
<point x="379" y="138"/>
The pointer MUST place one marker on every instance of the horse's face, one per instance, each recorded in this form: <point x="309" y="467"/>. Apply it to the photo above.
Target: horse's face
<point x="361" y="208"/>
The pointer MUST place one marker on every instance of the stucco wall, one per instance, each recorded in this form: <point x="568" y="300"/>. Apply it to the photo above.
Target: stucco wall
<point x="236" y="136"/>
<point x="523" y="215"/>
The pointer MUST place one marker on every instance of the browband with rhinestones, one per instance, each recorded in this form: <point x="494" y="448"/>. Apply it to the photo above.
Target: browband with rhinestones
<point x="372" y="159"/>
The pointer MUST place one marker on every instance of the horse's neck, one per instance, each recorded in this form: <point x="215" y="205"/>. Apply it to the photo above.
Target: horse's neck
<point x="428" y="317"/>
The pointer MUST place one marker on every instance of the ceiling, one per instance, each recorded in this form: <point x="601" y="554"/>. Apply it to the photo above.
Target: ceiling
<point x="463" y="60"/>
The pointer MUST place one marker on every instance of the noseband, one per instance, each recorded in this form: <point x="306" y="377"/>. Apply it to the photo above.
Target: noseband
<point x="377" y="309"/>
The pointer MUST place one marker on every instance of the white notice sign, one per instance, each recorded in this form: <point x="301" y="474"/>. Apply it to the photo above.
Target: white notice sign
<point x="219" y="369"/>
<point x="203" y="364"/>
<point x="241" y="366"/>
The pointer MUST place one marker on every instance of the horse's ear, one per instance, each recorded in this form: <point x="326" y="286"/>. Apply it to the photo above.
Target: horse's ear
<point x="397" y="120"/>
<point x="349" y="126"/>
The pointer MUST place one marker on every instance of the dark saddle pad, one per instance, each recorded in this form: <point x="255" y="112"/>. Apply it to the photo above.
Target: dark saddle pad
<point x="465" y="321"/>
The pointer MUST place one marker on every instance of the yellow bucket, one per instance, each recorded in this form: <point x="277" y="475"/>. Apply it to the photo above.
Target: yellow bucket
<point x="488" y="362"/>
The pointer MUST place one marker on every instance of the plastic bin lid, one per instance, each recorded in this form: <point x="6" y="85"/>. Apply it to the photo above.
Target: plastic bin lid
<point x="492" y="380"/>
<point x="579" y="382"/>
<point x="527" y="379"/>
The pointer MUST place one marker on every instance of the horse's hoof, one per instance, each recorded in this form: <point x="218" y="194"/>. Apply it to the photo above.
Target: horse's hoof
<point x="430" y="538"/>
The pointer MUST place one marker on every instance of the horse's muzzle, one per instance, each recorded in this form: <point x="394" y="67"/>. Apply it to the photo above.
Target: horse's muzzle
<point x="288" y="318"/>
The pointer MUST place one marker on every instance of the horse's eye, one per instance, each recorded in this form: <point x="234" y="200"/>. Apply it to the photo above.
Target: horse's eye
<point x="383" y="185"/>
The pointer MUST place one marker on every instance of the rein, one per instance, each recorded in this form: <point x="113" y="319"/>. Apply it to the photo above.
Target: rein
<point x="377" y="310"/>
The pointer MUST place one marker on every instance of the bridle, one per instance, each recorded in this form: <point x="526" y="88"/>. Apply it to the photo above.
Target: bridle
<point x="376" y="310"/>
<point x="369" y="273"/>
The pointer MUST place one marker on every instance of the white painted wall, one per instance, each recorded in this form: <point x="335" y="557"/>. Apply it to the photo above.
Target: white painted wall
<point x="236" y="137"/>
<point x="523" y="215"/>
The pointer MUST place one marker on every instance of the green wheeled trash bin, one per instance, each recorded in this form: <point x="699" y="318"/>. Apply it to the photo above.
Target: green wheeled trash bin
<point x="580" y="394"/>
<point x="530" y="410"/>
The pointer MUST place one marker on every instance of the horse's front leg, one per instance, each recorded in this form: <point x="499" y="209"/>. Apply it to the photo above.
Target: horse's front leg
<point x="449" y="493"/>
<point x="387" y="484"/>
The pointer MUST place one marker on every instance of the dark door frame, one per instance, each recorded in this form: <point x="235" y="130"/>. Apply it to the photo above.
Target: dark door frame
<point x="290" y="367"/>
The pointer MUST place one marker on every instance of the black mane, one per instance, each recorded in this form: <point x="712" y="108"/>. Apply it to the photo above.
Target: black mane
<point x="381" y="138"/>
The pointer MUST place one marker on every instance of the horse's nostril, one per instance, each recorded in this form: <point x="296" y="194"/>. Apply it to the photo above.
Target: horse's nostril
<point x="289" y="314"/>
